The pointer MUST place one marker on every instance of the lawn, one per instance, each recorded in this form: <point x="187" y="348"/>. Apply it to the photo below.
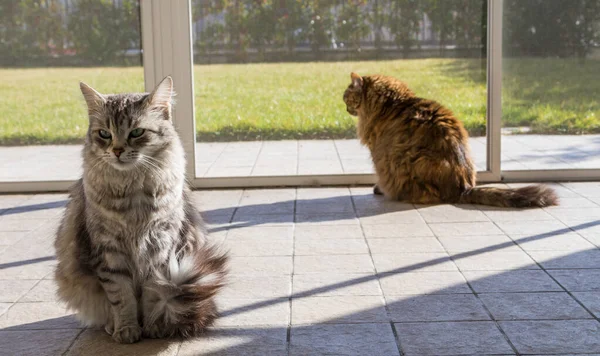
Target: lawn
<point x="303" y="100"/>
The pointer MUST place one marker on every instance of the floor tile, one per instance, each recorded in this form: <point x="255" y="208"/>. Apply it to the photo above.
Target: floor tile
<point x="347" y="218"/>
<point x="242" y="312"/>
<point x="423" y="283"/>
<point x="505" y="214"/>
<point x="532" y="229"/>
<point x="13" y="290"/>
<point x="36" y="316"/>
<point x="37" y="342"/>
<point x="553" y="336"/>
<point x="99" y="342"/>
<point x="396" y="217"/>
<point x="333" y="264"/>
<point x="268" y="265"/>
<point x="260" y="247"/>
<point x="591" y="300"/>
<point x="263" y="220"/>
<point x="481" y="228"/>
<point x="306" y="247"/>
<point x="343" y="339"/>
<point x="563" y="242"/>
<point x="413" y="262"/>
<point x="578" y="280"/>
<point x="531" y="306"/>
<point x="338" y="310"/>
<point x="245" y="286"/>
<point x="251" y="341"/>
<point x="405" y="245"/>
<point x="476" y="243"/>
<point x="338" y="284"/>
<point x="261" y="232"/>
<point x="323" y="232"/>
<point x="500" y="260"/>
<point x="451" y="213"/>
<point x="511" y="281"/>
<point x="567" y="259"/>
<point x="417" y="229"/>
<point x="452" y="338"/>
<point x="451" y="307"/>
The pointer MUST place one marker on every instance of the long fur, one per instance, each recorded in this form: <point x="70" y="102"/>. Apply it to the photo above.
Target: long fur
<point x="133" y="256"/>
<point x="420" y="150"/>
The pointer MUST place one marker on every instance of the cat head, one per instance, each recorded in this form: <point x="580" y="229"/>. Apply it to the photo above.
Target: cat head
<point x="353" y="95"/>
<point x="369" y="93"/>
<point x="129" y="130"/>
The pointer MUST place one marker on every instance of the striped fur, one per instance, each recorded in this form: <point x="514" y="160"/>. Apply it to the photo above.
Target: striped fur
<point x="132" y="253"/>
<point x="420" y="150"/>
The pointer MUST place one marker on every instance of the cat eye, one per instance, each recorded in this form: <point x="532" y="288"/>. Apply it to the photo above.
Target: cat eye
<point x="104" y="134"/>
<point x="136" y="133"/>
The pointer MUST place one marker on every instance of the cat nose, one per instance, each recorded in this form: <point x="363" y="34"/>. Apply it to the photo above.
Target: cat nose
<point x="118" y="151"/>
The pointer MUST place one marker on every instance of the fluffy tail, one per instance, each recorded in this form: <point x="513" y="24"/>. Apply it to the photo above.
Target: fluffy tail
<point x="182" y="302"/>
<point x="529" y="196"/>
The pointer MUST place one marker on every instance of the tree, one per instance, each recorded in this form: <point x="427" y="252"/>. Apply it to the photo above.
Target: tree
<point x="101" y="31"/>
<point x="352" y="23"/>
<point x="403" y="22"/>
<point x="557" y="28"/>
<point x="30" y="30"/>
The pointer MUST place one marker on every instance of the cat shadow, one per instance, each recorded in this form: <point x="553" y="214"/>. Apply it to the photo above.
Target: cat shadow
<point x="342" y="209"/>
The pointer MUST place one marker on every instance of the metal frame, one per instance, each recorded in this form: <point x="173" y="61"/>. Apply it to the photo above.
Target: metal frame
<point x="168" y="50"/>
<point x="494" y="88"/>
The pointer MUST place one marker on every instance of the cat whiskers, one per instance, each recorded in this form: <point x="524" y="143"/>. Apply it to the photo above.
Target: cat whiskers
<point x="151" y="166"/>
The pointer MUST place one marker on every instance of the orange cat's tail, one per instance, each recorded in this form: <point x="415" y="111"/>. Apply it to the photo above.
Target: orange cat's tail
<point x="529" y="196"/>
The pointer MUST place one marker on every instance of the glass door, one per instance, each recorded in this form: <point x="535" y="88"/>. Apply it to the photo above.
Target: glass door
<point x="45" y="51"/>
<point x="269" y="78"/>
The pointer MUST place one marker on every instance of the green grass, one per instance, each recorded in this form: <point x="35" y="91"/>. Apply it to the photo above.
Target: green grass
<point x="304" y="100"/>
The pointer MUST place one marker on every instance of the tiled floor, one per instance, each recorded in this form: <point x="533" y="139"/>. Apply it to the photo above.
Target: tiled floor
<point x="268" y="158"/>
<point x="339" y="271"/>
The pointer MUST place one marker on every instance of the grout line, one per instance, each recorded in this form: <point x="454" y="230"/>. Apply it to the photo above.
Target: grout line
<point x="73" y="342"/>
<point x="262" y="144"/>
<point x="235" y="210"/>
<point x="337" y="151"/>
<point x="385" y="305"/>
<point x="490" y="315"/>
<point x="216" y="159"/>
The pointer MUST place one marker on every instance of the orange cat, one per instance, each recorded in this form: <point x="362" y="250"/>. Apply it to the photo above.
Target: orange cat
<point x="420" y="149"/>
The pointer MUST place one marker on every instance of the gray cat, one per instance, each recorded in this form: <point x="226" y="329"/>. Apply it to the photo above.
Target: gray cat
<point x="132" y="253"/>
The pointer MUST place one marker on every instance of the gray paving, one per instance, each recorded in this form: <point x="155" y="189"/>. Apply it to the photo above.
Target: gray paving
<point x="340" y="271"/>
<point x="304" y="157"/>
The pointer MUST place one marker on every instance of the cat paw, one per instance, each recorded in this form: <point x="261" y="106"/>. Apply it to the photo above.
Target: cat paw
<point x="128" y="334"/>
<point x="109" y="328"/>
<point x="376" y="190"/>
<point x="153" y="332"/>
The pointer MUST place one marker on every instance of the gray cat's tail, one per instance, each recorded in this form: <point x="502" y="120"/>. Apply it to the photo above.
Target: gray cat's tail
<point x="525" y="197"/>
<point x="183" y="300"/>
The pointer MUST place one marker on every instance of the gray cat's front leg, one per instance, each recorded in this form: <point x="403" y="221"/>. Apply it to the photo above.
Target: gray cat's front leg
<point x="118" y="285"/>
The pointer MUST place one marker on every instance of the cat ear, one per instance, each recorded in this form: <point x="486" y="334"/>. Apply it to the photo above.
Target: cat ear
<point x="93" y="99"/>
<point x="162" y="95"/>
<point x="357" y="80"/>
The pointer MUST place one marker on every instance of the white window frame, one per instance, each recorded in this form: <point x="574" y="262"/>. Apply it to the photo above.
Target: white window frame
<point x="168" y="50"/>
